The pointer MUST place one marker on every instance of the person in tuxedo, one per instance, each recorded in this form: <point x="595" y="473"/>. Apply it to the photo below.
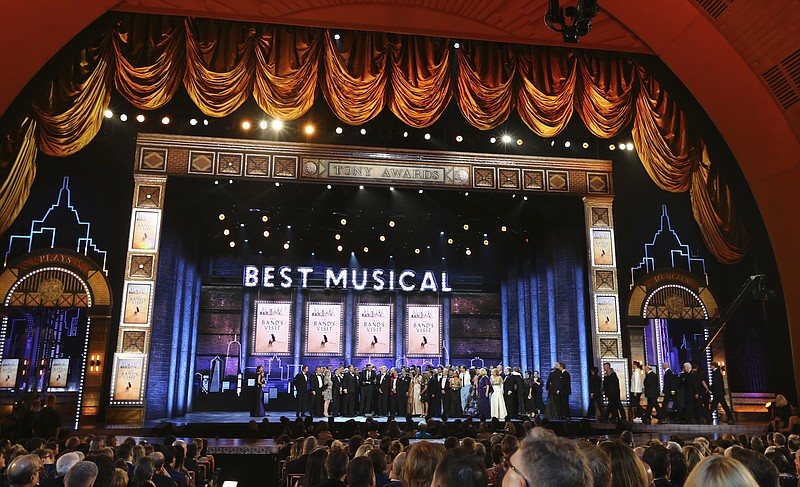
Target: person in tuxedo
<point x="316" y="392"/>
<point x="300" y="384"/>
<point x="382" y="388"/>
<point x="403" y="385"/>
<point x="445" y="392"/>
<point x="367" y="390"/>
<point x="435" y="393"/>
<point x="670" y="391"/>
<point x="336" y="392"/>
<point x="350" y="392"/>
<point x="553" y="386"/>
<point x="522" y="391"/>
<point x="611" y="390"/>
<point x="651" y="393"/>
<point x="566" y="391"/>
<point x="393" y="393"/>
<point x="690" y="393"/>
<point x="718" y="393"/>
<point x="510" y="389"/>
<point x="595" y="393"/>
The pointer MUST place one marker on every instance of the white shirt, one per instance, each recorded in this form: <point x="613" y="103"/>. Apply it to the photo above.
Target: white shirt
<point x="637" y="381"/>
<point x="464" y="379"/>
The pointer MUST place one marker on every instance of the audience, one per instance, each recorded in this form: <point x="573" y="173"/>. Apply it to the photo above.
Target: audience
<point x="360" y="473"/>
<point x="82" y="474"/>
<point x="459" y="468"/>
<point x="720" y="471"/>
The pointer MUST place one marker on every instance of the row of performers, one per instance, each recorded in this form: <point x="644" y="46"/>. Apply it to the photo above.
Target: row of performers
<point x="438" y="392"/>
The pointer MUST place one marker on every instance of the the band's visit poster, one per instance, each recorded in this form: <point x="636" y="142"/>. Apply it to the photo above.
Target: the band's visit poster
<point x="602" y="247"/>
<point x="59" y="369"/>
<point x="607" y="314"/>
<point x="137" y="303"/>
<point x="145" y="230"/>
<point x="374" y="330"/>
<point x="324" y="329"/>
<point x="424" y="330"/>
<point x="273" y="328"/>
<point x="128" y="371"/>
<point x="8" y="373"/>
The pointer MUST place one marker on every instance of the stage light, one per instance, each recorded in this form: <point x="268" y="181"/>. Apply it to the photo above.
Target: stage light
<point x="140" y="118"/>
<point x="567" y="144"/>
<point x="277" y="124"/>
<point x="288" y="227"/>
<point x="360" y="186"/>
<point x="329" y="186"/>
<point x="485" y="242"/>
<point x="265" y="218"/>
<point x="504" y="228"/>
<point x="230" y="181"/>
<point x="246" y="240"/>
<point x="339" y="248"/>
<point x="468" y="252"/>
<point x="391" y="223"/>
<point x="450" y="241"/>
<point x="277" y="183"/>
<point x="363" y="131"/>
<point x="520" y="142"/>
<point x="165" y="121"/>
<point x="339" y="130"/>
<point x="286" y="246"/>
<point x="232" y="244"/>
<point x="108" y="113"/>
<point x="309" y="129"/>
<point x="506" y="139"/>
<point x="457" y="45"/>
<point x="123" y="117"/>
<point x="420" y="191"/>
<point x="427" y="136"/>
<point x="525" y="198"/>
<point x="459" y="138"/>
<point x="492" y="140"/>
<point x="241" y="225"/>
<point x="611" y="146"/>
<point x="585" y="145"/>
<point x="366" y="249"/>
<point x="391" y="188"/>
<point x="337" y="236"/>
<point x="263" y="125"/>
<point x="337" y="36"/>
<point x="343" y="221"/>
<point x="466" y="227"/>
<point x="352" y="253"/>
<point x="205" y="121"/>
<point x="428" y="247"/>
<point x="405" y="134"/>
<point x="193" y="122"/>
<point x="630" y="145"/>
<point x="416" y="251"/>
<point x="226" y="232"/>
<point x="466" y="193"/>
<point x="441" y="233"/>
<point x="382" y="238"/>
<point x="216" y="181"/>
<point x="246" y="125"/>
<point x="221" y="216"/>
<point x="623" y="146"/>
<point x="513" y="196"/>
<point x="266" y="233"/>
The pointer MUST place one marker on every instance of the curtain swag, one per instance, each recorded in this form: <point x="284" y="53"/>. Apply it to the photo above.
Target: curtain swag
<point x="221" y="63"/>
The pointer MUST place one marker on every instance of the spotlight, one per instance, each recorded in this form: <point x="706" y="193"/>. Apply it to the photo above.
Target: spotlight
<point x="382" y="238"/>
<point x="339" y="130"/>
<point x="441" y="233"/>
<point x="216" y="181"/>
<point x="585" y="145"/>
<point x="567" y="144"/>
<point x="485" y="242"/>
<point x="405" y="134"/>
<point x="466" y="227"/>
<point x="230" y="181"/>
<point x="329" y="186"/>
<point x="525" y="198"/>
<point x="265" y="218"/>
<point x="363" y="131"/>
<point x="277" y="124"/>
<point x="232" y="244"/>
<point x="263" y="125"/>
<point x="277" y="183"/>
<point x="450" y="241"/>
<point x="337" y="236"/>
<point x="459" y="138"/>
<point x="492" y="140"/>
<point x="246" y="125"/>
<point x="420" y="191"/>
<point x="552" y="143"/>
<point x="468" y="252"/>
<point x="123" y="117"/>
<point x="352" y="253"/>
<point x="611" y="146"/>
<point x="506" y="139"/>
<point x="366" y="249"/>
<point x="289" y="227"/>
<point x="623" y="146"/>
<point x="140" y="118"/>
<point x="193" y="122"/>
<point x="457" y="45"/>
<point x="337" y="36"/>
<point x="391" y="223"/>
<point x="108" y="113"/>
<point x="266" y="233"/>
<point x="246" y="240"/>
<point x="339" y="248"/>
<point x="221" y="216"/>
<point x="226" y="232"/>
<point x="466" y="193"/>
<point x="241" y="225"/>
<point x="205" y="121"/>
<point x="416" y="251"/>
<point x="286" y="246"/>
<point x="391" y="188"/>
<point x="504" y="228"/>
<point x="343" y="221"/>
<point x="427" y="136"/>
<point x="520" y="142"/>
<point x="309" y="129"/>
<point x="630" y="145"/>
<point x="360" y="186"/>
<point x="165" y="121"/>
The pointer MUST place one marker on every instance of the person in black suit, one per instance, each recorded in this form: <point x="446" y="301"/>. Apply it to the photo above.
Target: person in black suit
<point x="553" y="386"/>
<point x="510" y="390"/>
<point x="566" y="391"/>
<point x="403" y="385"/>
<point x="718" y="393"/>
<point x="658" y="459"/>
<point x="350" y="392"/>
<point x="522" y="391"/>
<point x="611" y="391"/>
<point x="300" y="384"/>
<point x="382" y="388"/>
<point x="595" y="393"/>
<point x="670" y="390"/>
<point x="316" y="393"/>
<point x="651" y="393"/>
<point x="435" y="393"/>
<point x="336" y="392"/>
<point x="690" y="392"/>
<point x="367" y="382"/>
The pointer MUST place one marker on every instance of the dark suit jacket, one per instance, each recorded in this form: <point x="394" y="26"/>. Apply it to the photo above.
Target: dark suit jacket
<point x="651" y="385"/>
<point x="403" y="384"/>
<point x="566" y="380"/>
<point x="364" y="381"/>
<point x="383" y="383"/>
<point x="554" y="382"/>
<point x="300" y="384"/>
<point x="315" y="380"/>
<point x="670" y="382"/>
<point x="596" y="386"/>
<point x="163" y="481"/>
<point x="297" y="466"/>
<point x="337" y="384"/>
<point x="178" y="477"/>
<point x="611" y="385"/>
<point x="718" y="386"/>
<point x="350" y="383"/>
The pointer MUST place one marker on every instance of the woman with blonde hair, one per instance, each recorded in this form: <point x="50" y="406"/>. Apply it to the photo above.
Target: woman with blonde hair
<point x="421" y="461"/>
<point x="363" y="450"/>
<point x="779" y="412"/>
<point x="627" y="470"/>
<point x="720" y="471"/>
<point x="693" y="456"/>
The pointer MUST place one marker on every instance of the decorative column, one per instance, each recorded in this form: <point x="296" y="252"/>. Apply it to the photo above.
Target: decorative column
<point x="135" y="322"/>
<point x="603" y="290"/>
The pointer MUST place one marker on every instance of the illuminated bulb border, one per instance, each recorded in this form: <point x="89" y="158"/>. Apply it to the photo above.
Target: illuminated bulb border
<point x="45" y="269"/>
<point x="83" y="371"/>
<point x="675" y="286"/>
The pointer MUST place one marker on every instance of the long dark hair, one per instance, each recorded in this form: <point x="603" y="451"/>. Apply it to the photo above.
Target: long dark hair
<point x="142" y="473"/>
<point x="315" y="467"/>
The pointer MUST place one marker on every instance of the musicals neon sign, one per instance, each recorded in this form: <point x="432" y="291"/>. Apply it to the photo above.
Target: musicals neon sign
<point x="345" y="278"/>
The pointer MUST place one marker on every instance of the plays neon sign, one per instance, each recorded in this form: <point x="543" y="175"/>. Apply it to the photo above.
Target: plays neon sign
<point x="345" y="278"/>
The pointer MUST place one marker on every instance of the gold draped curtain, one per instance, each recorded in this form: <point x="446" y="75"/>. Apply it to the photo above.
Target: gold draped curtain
<point x="221" y="63"/>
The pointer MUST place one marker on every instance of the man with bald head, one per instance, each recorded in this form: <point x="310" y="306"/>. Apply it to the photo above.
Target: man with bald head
<point x="82" y="474"/>
<point x="24" y="471"/>
<point x="161" y="478"/>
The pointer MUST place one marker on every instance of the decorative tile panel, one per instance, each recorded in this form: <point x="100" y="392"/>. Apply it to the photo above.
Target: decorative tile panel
<point x="597" y="183"/>
<point x="608" y="348"/>
<point x="256" y="165"/>
<point x="285" y="167"/>
<point x="558" y="181"/>
<point x="152" y="159"/>
<point x="141" y="266"/>
<point x="600" y="217"/>
<point x="604" y="281"/>
<point x="508" y="178"/>
<point x="533" y="180"/>
<point x="483" y="177"/>
<point x="148" y="197"/>
<point x="133" y="341"/>
<point x="201" y="162"/>
<point x="229" y="164"/>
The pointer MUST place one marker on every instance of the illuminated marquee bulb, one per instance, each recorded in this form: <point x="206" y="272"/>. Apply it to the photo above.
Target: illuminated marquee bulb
<point x="391" y="223"/>
<point x="343" y="221"/>
<point x="226" y="232"/>
<point x="265" y="218"/>
<point x="337" y="236"/>
<point x="266" y="233"/>
<point x="382" y="238"/>
<point x="416" y="251"/>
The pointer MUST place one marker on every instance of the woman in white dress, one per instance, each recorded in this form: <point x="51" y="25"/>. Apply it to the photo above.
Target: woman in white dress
<point x="497" y="405"/>
<point x="416" y="404"/>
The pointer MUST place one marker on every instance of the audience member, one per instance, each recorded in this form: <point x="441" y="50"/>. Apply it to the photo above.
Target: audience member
<point x="627" y="470"/>
<point x="762" y="470"/>
<point x="335" y="469"/>
<point x="82" y="474"/>
<point x="420" y="464"/>
<point x="360" y="473"/>
<point x="24" y="471"/>
<point x="459" y="468"/>
<point x="599" y="463"/>
<point x="545" y="460"/>
<point x="720" y="471"/>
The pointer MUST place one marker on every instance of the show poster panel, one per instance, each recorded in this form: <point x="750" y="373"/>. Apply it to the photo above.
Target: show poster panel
<point x="128" y="373"/>
<point x="602" y="247"/>
<point x="607" y="314"/>
<point x="374" y="330"/>
<point x="8" y="373"/>
<point x="59" y="370"/>
<point x="145" y="230"/>
<point x="273" y="328"/>
<point x="137" y="304"/>
<point x="324" y="329"/>
<point x="424" y="330"/>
